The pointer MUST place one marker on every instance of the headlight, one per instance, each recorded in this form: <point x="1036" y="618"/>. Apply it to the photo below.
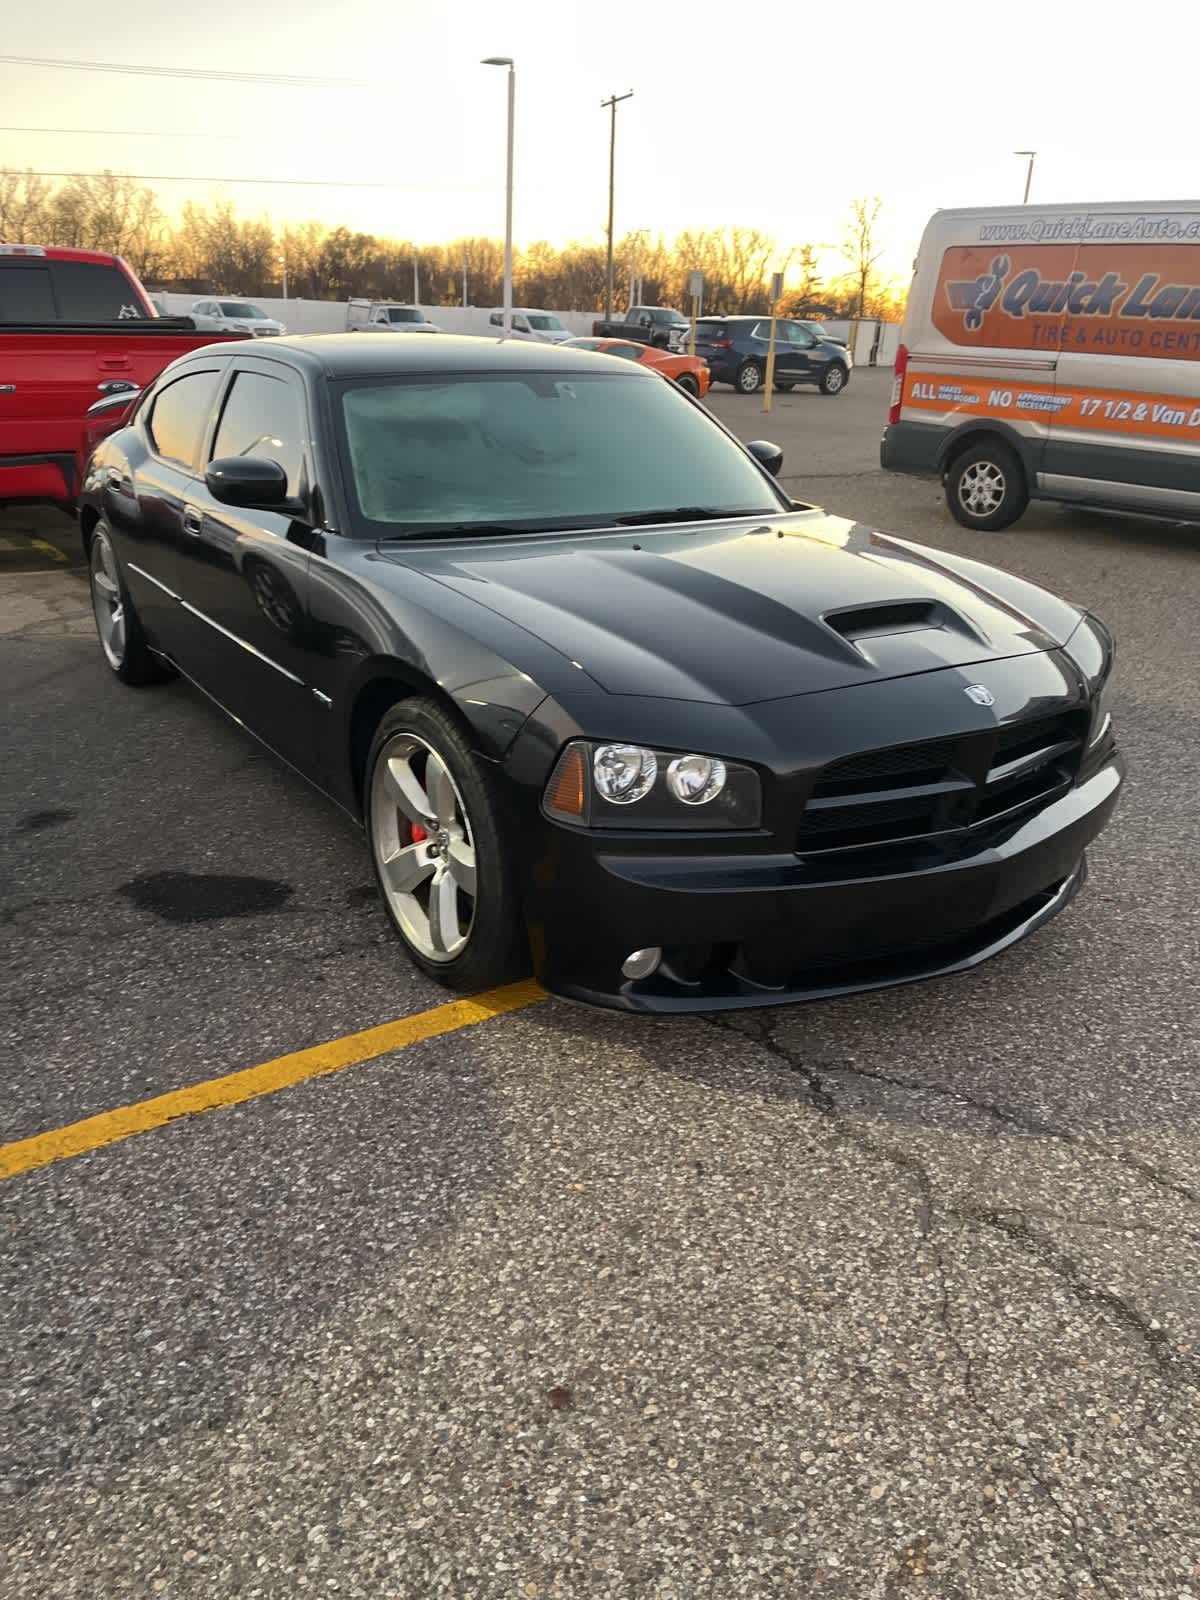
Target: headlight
<point x="1093" y="651"/>
<point x="624" y="773"/>
<point x="695" y="780"/>
<point x="631" y="786"/>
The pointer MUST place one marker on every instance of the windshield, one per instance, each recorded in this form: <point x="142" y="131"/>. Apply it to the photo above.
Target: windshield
<point x="532" y="448"/>
<point x="405" y="314"/>
<point x="243" y="309"/>
<point x="545" y="323"/>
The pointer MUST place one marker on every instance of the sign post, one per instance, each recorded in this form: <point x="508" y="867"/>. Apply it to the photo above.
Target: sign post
<point x="696" y="291"/>
<point x="776" y="296"/>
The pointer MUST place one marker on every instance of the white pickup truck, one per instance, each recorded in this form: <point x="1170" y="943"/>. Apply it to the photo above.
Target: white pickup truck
<point x="386" y="316"/>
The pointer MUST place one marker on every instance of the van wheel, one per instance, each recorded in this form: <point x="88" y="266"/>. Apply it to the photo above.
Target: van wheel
<point x="749" y="378"/>
<point x="985" y="487"/>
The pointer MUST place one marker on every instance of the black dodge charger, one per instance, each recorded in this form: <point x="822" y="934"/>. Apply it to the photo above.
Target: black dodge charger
<point x="608" y="704"/>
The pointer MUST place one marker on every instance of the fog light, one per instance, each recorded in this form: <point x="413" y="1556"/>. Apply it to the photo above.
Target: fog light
<point x="641" y="963"/>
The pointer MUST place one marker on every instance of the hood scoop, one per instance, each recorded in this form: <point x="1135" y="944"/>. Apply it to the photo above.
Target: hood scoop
<point x="877" y="631"/>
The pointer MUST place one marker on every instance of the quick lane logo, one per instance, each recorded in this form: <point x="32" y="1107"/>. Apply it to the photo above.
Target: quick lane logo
<point x="1078" y="295"/>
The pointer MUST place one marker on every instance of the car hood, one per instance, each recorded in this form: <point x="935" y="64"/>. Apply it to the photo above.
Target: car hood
<point x="746" y="610"/>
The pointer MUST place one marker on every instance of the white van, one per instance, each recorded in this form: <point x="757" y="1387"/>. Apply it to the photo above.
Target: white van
<point x="1053" y="352"/>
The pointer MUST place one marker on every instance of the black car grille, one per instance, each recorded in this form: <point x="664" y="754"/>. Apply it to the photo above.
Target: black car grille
<point x="943" y="786"/>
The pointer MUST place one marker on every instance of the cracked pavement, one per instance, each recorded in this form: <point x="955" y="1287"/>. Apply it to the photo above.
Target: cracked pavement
<point x="892" y="1296"/>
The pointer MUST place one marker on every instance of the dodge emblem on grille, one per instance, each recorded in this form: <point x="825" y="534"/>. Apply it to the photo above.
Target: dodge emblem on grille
<point x="980" y="695"/>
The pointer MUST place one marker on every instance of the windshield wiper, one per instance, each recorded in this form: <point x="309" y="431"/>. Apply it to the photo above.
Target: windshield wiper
<point x="641" y="519"/>
<point x="457" y="530"/>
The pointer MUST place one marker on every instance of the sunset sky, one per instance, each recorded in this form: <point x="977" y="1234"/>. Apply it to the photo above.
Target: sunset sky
<point x="776" y="124"/>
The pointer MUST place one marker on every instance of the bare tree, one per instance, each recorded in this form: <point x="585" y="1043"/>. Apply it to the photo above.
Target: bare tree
<point x="861" y="249"/>
<point x="23" y="205"/>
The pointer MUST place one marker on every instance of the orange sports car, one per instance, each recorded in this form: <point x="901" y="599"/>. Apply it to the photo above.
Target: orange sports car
<point x="689" y="372"/>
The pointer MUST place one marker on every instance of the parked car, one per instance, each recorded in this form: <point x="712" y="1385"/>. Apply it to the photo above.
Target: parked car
<point x="385" y="316"/>
<point x="820" y="330"/>
<point x="736" y="351"/>
<point x="75" y="326"/>
<point x="689" y="372"/>
<point x="1053" y="353"/>
<point x="542" y="326"/>
<point x="644" y="325"/>
<point x="664" y="734"/>
<point x="236" y="316"/>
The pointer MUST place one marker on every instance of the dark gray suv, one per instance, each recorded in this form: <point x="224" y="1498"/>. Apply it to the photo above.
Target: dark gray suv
<point x="736" y="351"/>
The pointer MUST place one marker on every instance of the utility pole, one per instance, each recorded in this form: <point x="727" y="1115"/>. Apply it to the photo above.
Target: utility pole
<point x="1032" y="154"/>
<point x="612" y="103"/>
<point x="416" y="282"/>
<point x="464" y="280"/>
<point x="507" y="61"/>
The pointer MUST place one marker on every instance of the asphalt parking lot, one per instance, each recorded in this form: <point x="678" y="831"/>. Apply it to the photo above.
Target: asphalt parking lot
<point x="890" y="1296"/>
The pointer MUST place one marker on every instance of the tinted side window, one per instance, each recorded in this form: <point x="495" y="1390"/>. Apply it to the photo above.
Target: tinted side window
<point x="25" y="293"/>
<point x="89" y="292"/>
<point x="263" y="417"/>
<point x="180" y="415"/>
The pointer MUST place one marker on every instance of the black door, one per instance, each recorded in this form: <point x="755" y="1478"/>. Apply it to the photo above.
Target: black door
<point x="146" y="499"/>
<point x="794" y="358"/>
<point x="244" y="575"/>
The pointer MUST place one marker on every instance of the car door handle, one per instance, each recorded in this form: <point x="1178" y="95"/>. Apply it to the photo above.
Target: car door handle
<point x="116" y="386"/>
<point x="8" y="388"/>
<point x="115" y="363"/>
<point x="192" y="521"/>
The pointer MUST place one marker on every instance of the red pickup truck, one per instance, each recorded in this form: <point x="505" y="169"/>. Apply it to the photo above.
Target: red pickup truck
<point x="75" y="326"/>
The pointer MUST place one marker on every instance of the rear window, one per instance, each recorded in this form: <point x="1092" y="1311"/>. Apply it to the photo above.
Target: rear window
<point x="25" y="294"/>
<point x="87" y="291"/>
<point x="709" y="330"/>
<point x="66" y="291"/>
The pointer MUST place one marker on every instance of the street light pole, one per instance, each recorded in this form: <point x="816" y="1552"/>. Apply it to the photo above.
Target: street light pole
<point x="507" y="61"/>
<point x="1032" y="154"/>
<point x="612" y="103"/>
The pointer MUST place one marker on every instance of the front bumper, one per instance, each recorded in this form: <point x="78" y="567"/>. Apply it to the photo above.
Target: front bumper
<point x="754" y="930"/>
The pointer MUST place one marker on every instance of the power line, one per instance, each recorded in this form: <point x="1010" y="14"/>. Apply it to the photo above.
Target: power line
<point x="279" y="80"/>
<point x="283" y="183"/>
<point x="148" y="133"/>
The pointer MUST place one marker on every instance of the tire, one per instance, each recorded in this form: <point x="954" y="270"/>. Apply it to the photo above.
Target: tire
<point x="688" y="384"/>
<point x="834" y="379"/>
<point x="749" y="378"/>
<point x="986" y="488"/>
<point x="452" y="898"/>
<point x="122" y="641"/>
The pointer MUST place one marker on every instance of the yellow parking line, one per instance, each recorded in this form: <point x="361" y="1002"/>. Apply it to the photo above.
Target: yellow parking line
<point x="47" y="549"/>
<point x="269" y="1076"/>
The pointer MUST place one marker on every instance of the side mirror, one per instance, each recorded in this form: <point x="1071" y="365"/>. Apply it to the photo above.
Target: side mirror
<point x="247" y="481"/>
<point x="767" y="455"/>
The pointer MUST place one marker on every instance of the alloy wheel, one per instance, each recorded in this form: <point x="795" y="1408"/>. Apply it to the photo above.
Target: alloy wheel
<point x="107" y="601"/>
<point x="981" y="489"/>
<point x="423" y="847"/>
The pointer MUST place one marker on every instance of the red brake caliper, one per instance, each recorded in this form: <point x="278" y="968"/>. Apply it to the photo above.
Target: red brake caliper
<point x="418" y="833"/>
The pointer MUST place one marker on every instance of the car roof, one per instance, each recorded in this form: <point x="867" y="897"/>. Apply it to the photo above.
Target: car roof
<point x="354" y="355"/>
